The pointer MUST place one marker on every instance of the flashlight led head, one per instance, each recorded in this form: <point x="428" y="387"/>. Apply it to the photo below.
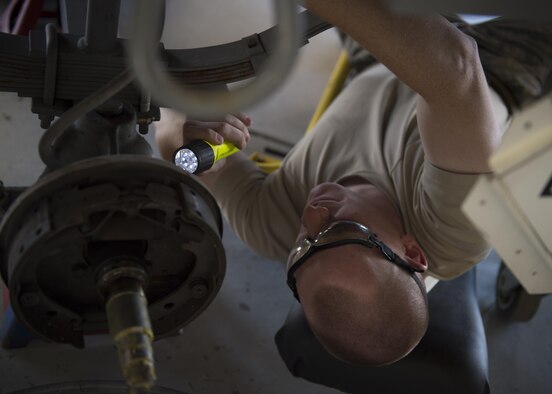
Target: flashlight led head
<point x="186" y="159"/>
<point x="195" y="157"/>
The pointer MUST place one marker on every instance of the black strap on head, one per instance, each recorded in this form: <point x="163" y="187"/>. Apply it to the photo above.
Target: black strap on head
<point x="391" y="256"/>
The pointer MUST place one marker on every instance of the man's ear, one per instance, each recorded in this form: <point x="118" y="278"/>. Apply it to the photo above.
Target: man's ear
<point x="414" y="255"/>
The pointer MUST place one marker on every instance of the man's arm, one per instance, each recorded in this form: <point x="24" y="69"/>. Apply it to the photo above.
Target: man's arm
<point x="257" y="207"/>
<point x="455" y="115"/>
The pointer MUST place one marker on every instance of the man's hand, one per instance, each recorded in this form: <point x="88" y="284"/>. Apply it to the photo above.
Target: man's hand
<point x="175" y="130"/>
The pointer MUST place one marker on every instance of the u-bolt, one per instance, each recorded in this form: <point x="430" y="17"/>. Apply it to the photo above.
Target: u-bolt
<point x="153" y="76"/>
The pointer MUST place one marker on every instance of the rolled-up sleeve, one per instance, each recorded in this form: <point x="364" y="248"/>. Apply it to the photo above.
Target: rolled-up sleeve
<point x="450" y="240"/>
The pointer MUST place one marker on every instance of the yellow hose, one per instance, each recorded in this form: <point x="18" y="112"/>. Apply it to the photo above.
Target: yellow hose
<point x="335" y="83"/>
<point x="269" y="164"/>
<point x="266" y="163"/>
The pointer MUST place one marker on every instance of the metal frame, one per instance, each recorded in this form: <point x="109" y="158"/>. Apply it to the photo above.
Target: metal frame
<point x="511" y="207"/>
<point x="82" y="72"/>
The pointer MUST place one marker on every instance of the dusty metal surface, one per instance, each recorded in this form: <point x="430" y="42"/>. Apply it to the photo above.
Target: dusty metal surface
<point x="60" y="232"/>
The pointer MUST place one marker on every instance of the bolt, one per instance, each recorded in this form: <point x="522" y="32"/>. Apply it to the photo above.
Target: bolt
<point x="45" y="120"/>
<point x="76" y="325"/>
<point x="199" y="289"/>
<point x="28" y="300"/>
<point x="143" y="128"/>
<point x="79" y="270"/>
<point x="110" y="108"/>
<point x="252" y="43"/>
<point x="131" y="211"/>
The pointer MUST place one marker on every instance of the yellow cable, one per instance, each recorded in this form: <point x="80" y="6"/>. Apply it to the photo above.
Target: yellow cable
<point x="335" y="83"/>
<point x="266" y="163"/>
<point x="269" y="164"/>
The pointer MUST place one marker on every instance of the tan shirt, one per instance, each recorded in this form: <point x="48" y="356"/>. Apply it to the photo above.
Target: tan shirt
<point x="370" y="131"/>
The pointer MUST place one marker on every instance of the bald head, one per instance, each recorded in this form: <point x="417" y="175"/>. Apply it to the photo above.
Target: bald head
<point x="363" y="310"/>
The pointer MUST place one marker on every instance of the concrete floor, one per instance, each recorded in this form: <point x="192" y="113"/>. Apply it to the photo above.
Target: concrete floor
<point x="229" y="348"/>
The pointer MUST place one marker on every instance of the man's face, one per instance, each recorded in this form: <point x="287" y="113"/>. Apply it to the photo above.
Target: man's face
<point x="364" y="204"/>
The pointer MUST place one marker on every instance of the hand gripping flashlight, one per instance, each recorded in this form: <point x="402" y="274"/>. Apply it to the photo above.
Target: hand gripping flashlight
<point x="199" y="156"/>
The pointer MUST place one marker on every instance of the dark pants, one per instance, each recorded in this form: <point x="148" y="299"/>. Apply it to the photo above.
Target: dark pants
<point x="451" y="358"/>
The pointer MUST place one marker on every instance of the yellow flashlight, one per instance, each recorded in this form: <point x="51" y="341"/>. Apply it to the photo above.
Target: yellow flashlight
<point x="200" y="155"/>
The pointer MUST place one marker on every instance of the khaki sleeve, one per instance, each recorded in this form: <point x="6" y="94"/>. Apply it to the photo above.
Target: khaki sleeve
<point x="450" y="240"/>
<point x="259" y="208"/>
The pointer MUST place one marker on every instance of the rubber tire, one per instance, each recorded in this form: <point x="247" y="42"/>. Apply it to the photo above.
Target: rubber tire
<point x="514" y="304"/>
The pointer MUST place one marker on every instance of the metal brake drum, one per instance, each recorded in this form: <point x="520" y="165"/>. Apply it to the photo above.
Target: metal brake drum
<point x="60" y="235"/>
